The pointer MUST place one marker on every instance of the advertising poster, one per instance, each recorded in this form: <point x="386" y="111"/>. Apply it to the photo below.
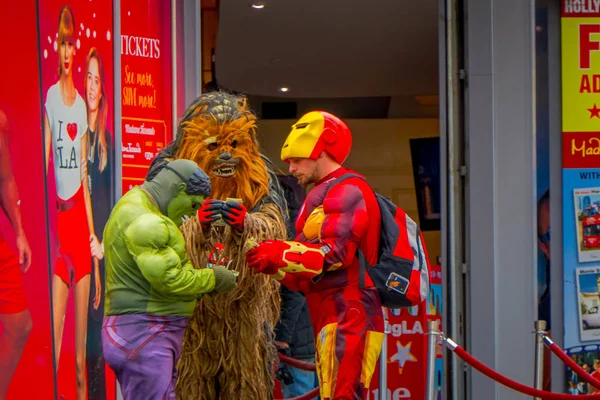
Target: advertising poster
<point x="581" y="192"/>
<point x="407" y="347"/>
<point x="76" y="41"/>
<point x="25" y="323"/>
<point x="146" y="85"/>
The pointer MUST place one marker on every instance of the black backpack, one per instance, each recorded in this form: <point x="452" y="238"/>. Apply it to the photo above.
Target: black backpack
<point x="402" y="271"/>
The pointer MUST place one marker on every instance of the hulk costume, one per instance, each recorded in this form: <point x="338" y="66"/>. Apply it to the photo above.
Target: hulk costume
<point x="151" y="286"/>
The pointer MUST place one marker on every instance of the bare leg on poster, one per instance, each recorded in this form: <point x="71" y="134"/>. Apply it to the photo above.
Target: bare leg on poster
<point x="82" y="297"/>
<point x="60" y="295"/>
<point x="16" y="331"/>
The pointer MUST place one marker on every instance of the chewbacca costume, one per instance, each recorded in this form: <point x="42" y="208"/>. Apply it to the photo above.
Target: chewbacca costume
<point x="228" y="349"/>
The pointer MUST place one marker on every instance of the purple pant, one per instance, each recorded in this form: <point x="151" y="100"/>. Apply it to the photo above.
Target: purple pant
<point x="143" y="351"/>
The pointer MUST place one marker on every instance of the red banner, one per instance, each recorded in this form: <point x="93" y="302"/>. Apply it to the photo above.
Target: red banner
<point x="21" y="157"/>
<point x="581" y="149"/>
<point x="580" y="8"/>
<point x="407" y="347"/>
<point x="51" y="267"/>
<point x="146" y="85"/>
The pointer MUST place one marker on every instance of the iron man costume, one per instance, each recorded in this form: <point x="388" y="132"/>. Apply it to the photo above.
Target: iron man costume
<point x="322" y="262"/>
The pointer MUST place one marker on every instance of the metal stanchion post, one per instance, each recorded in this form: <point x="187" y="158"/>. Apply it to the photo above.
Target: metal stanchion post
<point x="433" y="333"/>
<point x="383" y="358"/>
<point x="540" y="328"/>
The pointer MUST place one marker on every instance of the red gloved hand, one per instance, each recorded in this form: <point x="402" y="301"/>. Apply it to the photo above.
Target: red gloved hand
<point x="209" y="212"/>
<point x="267" y="257"/>
<point x="234" y="214"/>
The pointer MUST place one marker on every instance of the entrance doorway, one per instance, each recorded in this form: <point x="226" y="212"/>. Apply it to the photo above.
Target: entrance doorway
<point x="380" y="67"/>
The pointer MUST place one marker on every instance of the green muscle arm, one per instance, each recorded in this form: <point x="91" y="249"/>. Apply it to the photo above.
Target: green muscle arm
<point x="147" y="240"/>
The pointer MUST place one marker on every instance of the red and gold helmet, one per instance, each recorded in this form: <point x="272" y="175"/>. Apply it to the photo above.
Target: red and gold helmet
<point x="316" y="132"/>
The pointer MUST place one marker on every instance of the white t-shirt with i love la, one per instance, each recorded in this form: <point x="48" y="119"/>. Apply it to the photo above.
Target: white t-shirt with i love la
<point x="68" y="125"/>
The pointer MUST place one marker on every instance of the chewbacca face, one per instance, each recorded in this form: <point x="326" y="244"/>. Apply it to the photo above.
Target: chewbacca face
<point x="228" y="152"/>
<point x="218" y="132"/>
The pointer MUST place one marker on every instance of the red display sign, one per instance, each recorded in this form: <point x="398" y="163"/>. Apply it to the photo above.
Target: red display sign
<point x="581" y="149"/>
<point x="146" y="93"/>
<point x="56" y="104"/>
<point x="407" y="347"/>
<point x="26" y="374"/>
<point x="580" y="8"/>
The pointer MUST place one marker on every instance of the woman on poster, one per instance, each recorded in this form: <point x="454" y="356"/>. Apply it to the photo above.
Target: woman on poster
<point x="100" y="182"/>
<point x="65" y="126"/>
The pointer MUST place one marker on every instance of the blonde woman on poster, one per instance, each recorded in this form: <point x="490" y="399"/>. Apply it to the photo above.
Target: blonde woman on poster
<point x="100" y="168"/>
<point x="65" y="126"/>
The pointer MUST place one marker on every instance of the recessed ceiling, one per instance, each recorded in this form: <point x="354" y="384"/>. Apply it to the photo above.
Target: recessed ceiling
<point x="329" y="49"/>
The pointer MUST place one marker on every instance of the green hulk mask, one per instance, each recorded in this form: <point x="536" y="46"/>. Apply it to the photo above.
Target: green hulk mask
<point x="147" y="267"/>
<point x="179" y="190"/>
<point x="183" y="206"/>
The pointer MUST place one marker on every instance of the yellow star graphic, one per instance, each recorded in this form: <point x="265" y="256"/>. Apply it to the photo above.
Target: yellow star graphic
<point x="403" y="355"/>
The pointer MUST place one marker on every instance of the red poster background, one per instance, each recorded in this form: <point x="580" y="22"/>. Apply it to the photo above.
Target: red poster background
<point x="20" y="100"/>
<point x="145" y="32"/>
<point x="581" y="149"/>
<point x="407" y="347"/>
<point x="94" y="25"/>
<point x="585" y="9"/>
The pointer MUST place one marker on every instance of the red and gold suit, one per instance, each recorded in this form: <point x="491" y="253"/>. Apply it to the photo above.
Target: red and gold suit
<point x="323" y="262"/>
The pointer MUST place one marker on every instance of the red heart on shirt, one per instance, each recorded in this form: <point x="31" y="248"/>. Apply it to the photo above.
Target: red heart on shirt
<point x="72" y="130"/>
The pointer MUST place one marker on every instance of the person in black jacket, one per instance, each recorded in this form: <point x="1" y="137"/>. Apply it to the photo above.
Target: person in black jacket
<point x="294" y="333"/>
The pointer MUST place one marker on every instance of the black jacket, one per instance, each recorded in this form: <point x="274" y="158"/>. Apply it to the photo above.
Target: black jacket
<point x="294" y="327"/>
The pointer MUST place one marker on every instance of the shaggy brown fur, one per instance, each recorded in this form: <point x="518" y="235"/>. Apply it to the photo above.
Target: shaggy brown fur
<point x="228" y="349"/>
<point x="238" y="137"/>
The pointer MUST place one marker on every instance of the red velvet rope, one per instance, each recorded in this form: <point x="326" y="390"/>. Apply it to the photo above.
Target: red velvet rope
<point x="292" y="362"/>
<point x="574" y="366"/>
<point x="469" y="359"/>
<point x="305" y="366"/>
<point x="307" y="396"/>
<point x="472" y="361"/>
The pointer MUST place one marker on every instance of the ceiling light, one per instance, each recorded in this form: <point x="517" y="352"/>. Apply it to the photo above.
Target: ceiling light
<point x="284" y="89"/>
<point x="258" y="5"/>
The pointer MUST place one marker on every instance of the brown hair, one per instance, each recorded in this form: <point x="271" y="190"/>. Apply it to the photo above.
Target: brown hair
<point x="100" y="134"/>
<point x="66" y="29"/>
